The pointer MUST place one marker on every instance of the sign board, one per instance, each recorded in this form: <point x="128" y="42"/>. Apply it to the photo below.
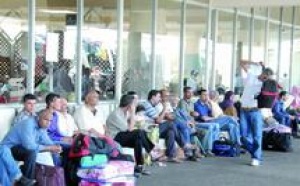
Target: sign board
<point x="52" y="47"/>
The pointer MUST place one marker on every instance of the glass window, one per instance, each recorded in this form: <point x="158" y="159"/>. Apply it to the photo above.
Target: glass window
<point x="275" y="13"/>
<point x="99" y="47"/>
<point x="223" y="54"/>
<point x="13" y="50"/>
<point x="194" y="64"/>
<point x="259" y="41"/>
<point x="167" y="43"/>
<point x="137" y="62"/>
<point x="285" y="61"/>
<point x="273" y="48"/>
<point x="55" y="44"/>
<point x="296" y="60"/>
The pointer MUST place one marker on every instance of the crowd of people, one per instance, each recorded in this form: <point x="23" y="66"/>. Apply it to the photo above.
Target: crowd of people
<point x="189" y="124"/>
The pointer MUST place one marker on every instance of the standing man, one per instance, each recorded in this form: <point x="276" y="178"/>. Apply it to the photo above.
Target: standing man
<point x="251" y="120"/>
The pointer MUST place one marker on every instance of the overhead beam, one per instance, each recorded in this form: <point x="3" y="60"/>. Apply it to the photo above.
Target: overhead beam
<point x="254" y="3"/>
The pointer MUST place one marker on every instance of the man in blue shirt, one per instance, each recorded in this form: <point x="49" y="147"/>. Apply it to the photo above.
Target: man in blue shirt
<point x="202" y="106"/>
<point x="280" y="113"/>
<point x="28" y="138"/>
<point x="29" y="101"/>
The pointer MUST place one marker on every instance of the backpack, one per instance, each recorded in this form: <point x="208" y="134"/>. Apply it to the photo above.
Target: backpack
<point x="277" y="139"/>
<point x="268" y="94"/>
<point x="84" y="145"/>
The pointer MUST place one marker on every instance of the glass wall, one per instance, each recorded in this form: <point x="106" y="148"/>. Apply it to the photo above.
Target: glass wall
<point x="194" y="64"/>
<point x="13" y="50"/>
<point x="55" y="42"/>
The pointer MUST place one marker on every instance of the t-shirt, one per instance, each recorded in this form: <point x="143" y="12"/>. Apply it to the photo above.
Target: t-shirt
<point x="86" y="119"/>
<point x="252" y="87"/>
<point x="117" y="122"/>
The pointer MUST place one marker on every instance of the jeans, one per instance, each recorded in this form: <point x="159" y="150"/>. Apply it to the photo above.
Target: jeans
<point x="284" y="120"/>
<point x="9" y="170"/>
<point x="184" y="130"/>
<point x="29" y="158"/>
<point x="251" y="130"/>
<point x="168" y="131"/>
<point x="229" y="124"/>
<point x="212" y="134"/>
<point x="138" y="140"/>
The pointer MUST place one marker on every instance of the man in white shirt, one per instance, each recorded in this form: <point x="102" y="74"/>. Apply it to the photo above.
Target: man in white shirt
<point x="88" y="117"/>
<point x="251" y="120"/>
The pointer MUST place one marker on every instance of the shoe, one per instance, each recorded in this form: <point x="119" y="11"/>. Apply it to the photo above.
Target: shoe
<point x="209" y="154"/>
<point x="141" y="170"/>
<point x="174" y="160"/>
<point x="193" y="158"/>
<point x="23" y="181"/>
<point x="255" y="162"/>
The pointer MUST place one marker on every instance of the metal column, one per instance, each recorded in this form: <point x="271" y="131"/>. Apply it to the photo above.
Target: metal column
<point x="182" y="47"/>
<point x="251" y="34"/>
<point x="207" y="45"/>
<point x="215" y="20"/>
<point x="31" y="47"/>
<point x="266" y="40"/>
<point x="279" y="43"/>
<point x="234" y="50"/>
<point x="292" y="48"/>
<point x="119" y="64"/>
<point x="153" y="42"/>
<point x="80" y="13"/>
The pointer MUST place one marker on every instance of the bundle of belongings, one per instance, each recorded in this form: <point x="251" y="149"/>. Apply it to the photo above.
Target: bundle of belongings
<point x="101" y="162"/>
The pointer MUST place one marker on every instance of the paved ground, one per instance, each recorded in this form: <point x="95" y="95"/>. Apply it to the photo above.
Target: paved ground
<point x="278" y="169"/>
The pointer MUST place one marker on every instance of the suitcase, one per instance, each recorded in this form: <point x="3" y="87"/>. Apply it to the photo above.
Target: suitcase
<point x="112" y="170"/>
<point x="49" y="175"/>
<point x="119" y="181"/>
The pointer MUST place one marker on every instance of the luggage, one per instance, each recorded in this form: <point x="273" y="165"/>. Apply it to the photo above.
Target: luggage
<point x="98" y="160"/>
<point x="84" y="145"/>
<point x="225" y="148"/>
<point x="49" y="176"/>
<point x="277" y="139"/>
<point x="120" y="181"/>
<point x="112" y="170"/>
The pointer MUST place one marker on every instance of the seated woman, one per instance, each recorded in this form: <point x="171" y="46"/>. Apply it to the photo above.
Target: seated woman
<point x="120" y="126"/>
<point x="227" y="105"/>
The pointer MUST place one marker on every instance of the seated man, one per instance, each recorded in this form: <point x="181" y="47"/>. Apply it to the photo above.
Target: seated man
<point x="213" y="130"/>
<point x="29" y="101"/>
<point x="28" y="138"/>
<point x="10" y="173"/>
<point x="120" y="126"/>
<point x="167" y="128"/>
<point x="202" y="106"/>
<point x="88" y="117"/>
<point x="181" y="126"/>
<point x="280" y="113"/>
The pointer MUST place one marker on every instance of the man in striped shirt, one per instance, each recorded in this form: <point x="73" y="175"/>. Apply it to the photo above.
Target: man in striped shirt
<point x="167" y="129"/>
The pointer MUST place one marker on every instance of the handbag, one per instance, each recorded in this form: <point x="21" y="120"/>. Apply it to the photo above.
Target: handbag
<point x="49" y="176"/>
